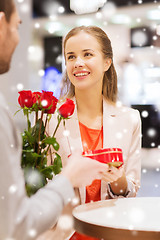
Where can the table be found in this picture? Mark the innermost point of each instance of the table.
(123, 219)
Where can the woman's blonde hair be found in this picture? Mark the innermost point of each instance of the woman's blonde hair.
(110, 76)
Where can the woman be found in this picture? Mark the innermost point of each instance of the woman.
(98, 122)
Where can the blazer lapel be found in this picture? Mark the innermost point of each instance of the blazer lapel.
(74, 137)
(110, 123)
(109, 120)
(114, 125)
(74, 141)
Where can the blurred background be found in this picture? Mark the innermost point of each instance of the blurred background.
(134, 29)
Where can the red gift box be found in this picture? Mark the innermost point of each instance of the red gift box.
(111, 156)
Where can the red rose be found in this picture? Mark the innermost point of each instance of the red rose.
(67, 108)
(25, 99)
(36, 98)
(53, 107)
(46, 99)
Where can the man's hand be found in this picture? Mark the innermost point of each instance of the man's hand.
(81, 171)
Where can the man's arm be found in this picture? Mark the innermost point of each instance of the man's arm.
(21, 217)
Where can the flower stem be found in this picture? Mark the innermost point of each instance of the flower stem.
(39, 134)
(68, 141)
(45, 123)
(36, 119)
(59, 121)
(28, 122)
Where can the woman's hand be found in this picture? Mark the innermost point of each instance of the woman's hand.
(113, 174)
(117, 179)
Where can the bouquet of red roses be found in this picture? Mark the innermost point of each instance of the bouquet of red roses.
(36, 142)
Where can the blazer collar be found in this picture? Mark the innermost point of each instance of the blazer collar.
(112, 109)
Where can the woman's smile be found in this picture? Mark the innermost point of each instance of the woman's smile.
(81, 74)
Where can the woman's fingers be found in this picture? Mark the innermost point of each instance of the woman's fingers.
(112, 174)
(108, 177)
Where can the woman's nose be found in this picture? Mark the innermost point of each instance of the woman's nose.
(79, 62)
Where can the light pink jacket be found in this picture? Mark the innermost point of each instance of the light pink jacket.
(121, 129)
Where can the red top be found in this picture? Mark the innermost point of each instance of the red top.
(92, 139)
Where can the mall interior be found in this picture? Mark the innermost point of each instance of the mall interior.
(134, 29)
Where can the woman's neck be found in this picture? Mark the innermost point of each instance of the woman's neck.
(90, 109)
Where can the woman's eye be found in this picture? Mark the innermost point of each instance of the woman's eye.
(70, 57)
(88, 54)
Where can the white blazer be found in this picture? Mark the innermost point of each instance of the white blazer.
(121, 129)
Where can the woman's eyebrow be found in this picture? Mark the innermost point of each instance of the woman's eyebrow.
(85, 50)
(70, 53)
(88, 49)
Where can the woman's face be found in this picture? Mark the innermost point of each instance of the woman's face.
(85, 62)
